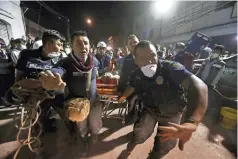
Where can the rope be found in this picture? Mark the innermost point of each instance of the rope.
(228, 98)
(30, 100)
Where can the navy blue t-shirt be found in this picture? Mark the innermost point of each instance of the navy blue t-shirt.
(163, 86)
(31, 62)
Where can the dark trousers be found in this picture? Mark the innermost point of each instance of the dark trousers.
(144, 128)
(6, 81)
(92, 124)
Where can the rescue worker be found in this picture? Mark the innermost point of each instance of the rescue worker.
(102, 57)
(80, 76)
(182, 57)
(210, 72)
(32, 62)
(116, 63)
(127, 68)
(205, 53)
(160, 85)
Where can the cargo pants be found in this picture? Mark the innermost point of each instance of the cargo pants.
(144, 128)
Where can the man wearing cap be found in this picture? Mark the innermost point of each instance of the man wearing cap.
(102, 57)
(210, 73)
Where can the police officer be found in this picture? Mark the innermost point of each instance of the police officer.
(210, 73)
(32, 62)
(102, 57)
(160, 85)
(80, 77)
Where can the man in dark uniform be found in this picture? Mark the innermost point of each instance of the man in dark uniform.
(127, 68)
(80, 76)
(32, 62)
(160, 85)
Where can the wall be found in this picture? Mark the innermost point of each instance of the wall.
(10, 13)
(210, 18)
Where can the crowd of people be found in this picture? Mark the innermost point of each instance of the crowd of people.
(156, 81)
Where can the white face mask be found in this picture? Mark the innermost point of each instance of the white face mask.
(149, 70)
(53, 54)
(214, 55)
(67, 50)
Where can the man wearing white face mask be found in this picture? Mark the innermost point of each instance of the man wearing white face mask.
(160, 85)
(32, 61)
(210, 72)
(20, 45)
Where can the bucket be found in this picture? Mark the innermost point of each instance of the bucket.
(228, 118)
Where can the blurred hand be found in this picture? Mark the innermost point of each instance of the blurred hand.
(174, 131)
(122, 99)
(51, 81)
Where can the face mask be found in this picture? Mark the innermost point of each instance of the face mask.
(149, 70)
(53, 54)
(22, 47)
(214, 55)
(67, 50)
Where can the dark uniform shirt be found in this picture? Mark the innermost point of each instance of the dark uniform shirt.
(127, 68)
(163, 92)
(31, 62)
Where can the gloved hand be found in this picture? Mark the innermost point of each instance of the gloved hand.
(122, 99)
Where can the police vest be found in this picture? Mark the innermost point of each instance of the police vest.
(78, 82)
(160, 95)
(215, 68)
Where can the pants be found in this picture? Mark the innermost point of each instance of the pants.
(214, 105)
(92, 124)
(57, 105)
(144, 128)
(6, 81)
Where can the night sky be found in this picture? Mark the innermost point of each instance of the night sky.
(108, 18)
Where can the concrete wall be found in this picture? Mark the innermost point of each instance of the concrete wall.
(199, 16)
(10, 13)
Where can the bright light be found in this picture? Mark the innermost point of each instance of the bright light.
(163, 5)
(89, 21)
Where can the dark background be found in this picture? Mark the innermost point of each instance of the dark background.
(108, 18)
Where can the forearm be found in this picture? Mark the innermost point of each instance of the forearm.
(128, 91)
(197, 100)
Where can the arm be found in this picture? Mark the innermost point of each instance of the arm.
(197, 98)
(218, 76)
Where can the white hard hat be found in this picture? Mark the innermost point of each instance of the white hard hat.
(101, 44)
(37, 44)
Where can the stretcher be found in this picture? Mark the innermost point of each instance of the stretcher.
(108, 95)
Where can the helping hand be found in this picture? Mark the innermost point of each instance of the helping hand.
(51, 81)
(122, 99)
(174, 131)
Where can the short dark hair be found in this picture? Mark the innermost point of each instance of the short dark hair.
(50, 36)
(143, 44)
(78, 33)
(221, 48)
(132, 36)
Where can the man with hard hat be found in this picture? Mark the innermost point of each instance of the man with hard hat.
(102, 57)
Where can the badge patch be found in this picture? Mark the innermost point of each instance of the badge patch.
(176, 65)
(159, 80)
(55, 60)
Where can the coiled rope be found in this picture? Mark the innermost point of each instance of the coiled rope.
(29, 100)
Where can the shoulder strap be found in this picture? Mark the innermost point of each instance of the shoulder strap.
(88, 82)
